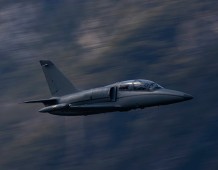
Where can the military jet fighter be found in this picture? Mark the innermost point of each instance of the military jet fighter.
(66, 100)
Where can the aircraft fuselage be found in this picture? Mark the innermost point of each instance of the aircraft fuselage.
(111, 98)
(121, 96)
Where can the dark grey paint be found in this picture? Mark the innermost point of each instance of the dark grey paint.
(121, 96)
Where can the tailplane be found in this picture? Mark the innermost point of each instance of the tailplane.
(46, 102)
(58, 84)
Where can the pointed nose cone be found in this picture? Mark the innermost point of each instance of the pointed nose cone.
(187, 96)
(180, 95)
(172, 96)
(183, 96)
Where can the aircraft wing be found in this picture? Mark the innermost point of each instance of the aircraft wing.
(89, 108)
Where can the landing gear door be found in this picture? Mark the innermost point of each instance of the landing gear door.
(113, 94)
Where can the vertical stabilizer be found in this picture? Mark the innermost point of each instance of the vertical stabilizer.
(58, 84)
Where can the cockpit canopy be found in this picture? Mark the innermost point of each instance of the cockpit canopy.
(139, 85)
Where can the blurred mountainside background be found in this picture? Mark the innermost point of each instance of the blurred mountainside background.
(99, 42)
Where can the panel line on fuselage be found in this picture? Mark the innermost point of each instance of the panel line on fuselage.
(90, 100)
(147, 94)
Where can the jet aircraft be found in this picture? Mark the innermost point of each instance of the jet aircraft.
(66, 100)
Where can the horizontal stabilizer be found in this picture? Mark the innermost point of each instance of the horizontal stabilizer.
(44, 101)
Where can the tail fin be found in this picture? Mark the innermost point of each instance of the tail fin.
(58, 84)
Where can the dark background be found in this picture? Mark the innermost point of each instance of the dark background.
(99, 42)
